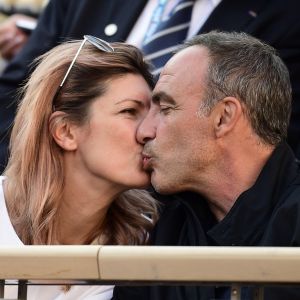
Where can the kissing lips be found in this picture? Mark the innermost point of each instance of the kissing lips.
(147, 162)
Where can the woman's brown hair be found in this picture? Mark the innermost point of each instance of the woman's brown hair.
(35, 172)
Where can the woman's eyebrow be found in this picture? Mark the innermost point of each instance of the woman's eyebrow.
(139, 102)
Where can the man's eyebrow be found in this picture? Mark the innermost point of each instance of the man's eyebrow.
(159, 97)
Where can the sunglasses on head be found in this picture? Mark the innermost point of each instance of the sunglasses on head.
(98, 43)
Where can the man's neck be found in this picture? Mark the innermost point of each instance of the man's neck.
(233, 176)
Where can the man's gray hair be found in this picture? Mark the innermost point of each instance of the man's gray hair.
(250, 70)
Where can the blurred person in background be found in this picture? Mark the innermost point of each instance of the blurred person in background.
(17, 19)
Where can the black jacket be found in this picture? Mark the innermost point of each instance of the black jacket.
(268, 214)
(274, 21)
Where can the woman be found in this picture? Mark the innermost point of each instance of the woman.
(74, 156)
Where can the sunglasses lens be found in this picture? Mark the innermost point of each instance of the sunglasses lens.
(100, 44)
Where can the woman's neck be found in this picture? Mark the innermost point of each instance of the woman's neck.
(83, 208)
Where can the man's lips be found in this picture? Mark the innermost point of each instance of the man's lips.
(146, 161)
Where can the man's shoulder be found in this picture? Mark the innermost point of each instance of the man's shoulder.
(181, 220)
(284, 226)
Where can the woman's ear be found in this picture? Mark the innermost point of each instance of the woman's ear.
(62, 131)
(227, 113)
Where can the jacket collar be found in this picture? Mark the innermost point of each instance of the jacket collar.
(246, 221)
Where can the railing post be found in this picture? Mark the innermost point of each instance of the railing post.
(2, 284)
(22, 290)
(258, 293)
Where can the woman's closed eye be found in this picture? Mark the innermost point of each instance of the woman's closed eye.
(129, 111)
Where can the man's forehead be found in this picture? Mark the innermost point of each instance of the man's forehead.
(186, 68)
(194, 56)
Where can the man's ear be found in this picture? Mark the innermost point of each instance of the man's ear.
(62, 131)
(227, 113)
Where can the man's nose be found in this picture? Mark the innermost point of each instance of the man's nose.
(146, 130)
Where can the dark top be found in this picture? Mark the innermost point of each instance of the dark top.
(268, 214)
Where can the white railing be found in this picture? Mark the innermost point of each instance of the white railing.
(235, 266)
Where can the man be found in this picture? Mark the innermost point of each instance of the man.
(217, 127)
(275, 22)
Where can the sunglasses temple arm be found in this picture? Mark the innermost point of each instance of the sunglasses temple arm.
(72, 63)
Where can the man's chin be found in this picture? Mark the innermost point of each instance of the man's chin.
(160, 186)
